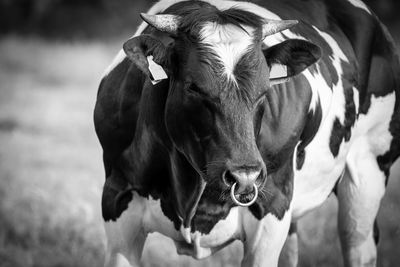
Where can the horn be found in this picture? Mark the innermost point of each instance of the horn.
(165, 23)
(274, 26)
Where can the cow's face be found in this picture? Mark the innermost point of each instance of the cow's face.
(219, 76)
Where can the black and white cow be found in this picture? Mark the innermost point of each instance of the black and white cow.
(268, 107)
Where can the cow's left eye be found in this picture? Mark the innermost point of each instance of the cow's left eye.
(259, 100)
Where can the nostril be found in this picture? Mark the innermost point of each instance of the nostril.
(228, 178)
(261, 178)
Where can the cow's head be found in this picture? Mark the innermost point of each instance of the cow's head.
(219, 73)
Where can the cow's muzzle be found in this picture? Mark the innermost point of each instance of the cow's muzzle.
(243, 183)
(247, 203)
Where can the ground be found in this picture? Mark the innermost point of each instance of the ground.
(51, 174)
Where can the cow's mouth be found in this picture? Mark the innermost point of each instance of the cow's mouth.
(244, 199)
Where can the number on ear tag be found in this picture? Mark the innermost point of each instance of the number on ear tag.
(156, 71)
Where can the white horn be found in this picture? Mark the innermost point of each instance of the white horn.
(165, 23)
(274, 26)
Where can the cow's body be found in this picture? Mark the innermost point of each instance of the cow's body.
(341, 115)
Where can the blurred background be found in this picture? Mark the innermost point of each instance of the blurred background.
(52, 55)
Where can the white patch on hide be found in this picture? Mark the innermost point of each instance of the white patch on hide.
(320, 171)
(338, 101)
(146, 215)
(375, 124)
(356, 98)
(360, 4)
(264, 239)
(124, 234)
(142, 214)
(223, 233)
(324, 96)
(362, 188)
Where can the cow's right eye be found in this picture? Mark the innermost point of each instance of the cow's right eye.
(194, 89)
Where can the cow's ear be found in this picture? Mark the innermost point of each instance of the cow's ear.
(140, 47)
(289, 58)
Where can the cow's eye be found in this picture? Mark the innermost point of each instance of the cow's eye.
(194, 89)
(260, 99)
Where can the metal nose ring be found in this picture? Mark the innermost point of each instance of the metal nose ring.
(237, 202)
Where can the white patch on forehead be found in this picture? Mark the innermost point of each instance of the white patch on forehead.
(229, 42)
(360, 4)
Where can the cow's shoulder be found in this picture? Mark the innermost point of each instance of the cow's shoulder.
(117, 109)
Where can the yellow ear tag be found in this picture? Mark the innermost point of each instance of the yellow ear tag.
(156, 71)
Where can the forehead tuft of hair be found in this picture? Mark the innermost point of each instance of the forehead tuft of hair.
(195, 14)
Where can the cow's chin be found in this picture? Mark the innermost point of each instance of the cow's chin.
(213, 206)
(245, 198)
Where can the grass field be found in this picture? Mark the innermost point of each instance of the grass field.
(51, 174)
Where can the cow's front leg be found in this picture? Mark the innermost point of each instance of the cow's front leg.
(123, 211)
(264, 239)
(290, 253)
(359, 193)
(127, 250)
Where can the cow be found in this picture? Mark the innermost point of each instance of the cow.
(229, 120)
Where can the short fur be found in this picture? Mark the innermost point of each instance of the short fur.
(167, 147)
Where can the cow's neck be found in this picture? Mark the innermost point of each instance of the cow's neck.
(153, 167)
(187, 187)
